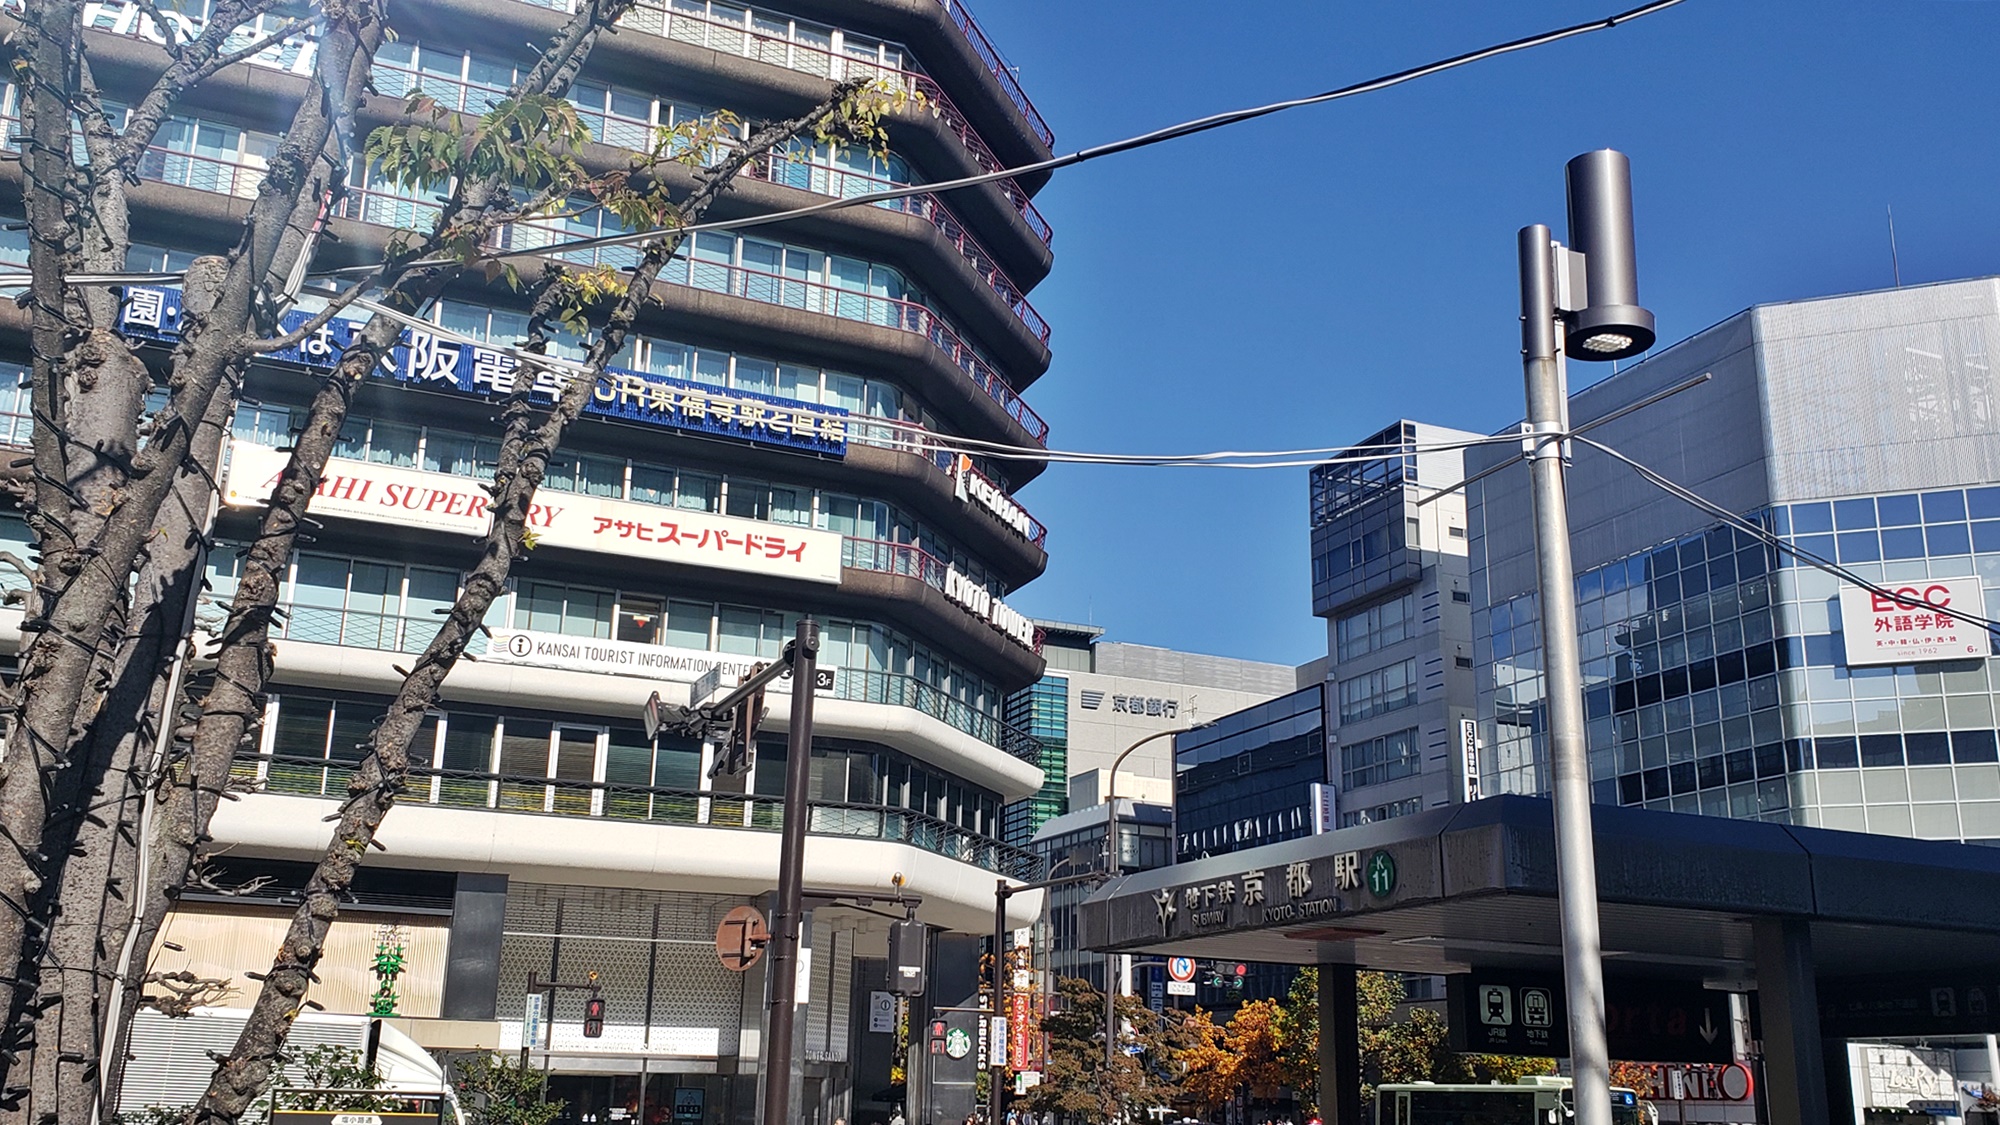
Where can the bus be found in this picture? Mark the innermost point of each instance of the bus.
(1534, 1101)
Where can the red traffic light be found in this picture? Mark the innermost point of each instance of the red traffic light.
(593, 1018)
(1242, 969)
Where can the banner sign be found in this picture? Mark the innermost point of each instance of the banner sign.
(1503, 1012)
(1903, 625)
(412, 497)
(1021, 1031)
(428, 360)
(973, 488)
(632, 658)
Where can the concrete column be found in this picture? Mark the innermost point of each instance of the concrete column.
(472, 953)
(1339, 1047)
(1795, 1063)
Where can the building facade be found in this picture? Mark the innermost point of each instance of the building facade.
(1073, 844)
(1098, 698)
(737, 472)
(1723, 675)
(1389, 576)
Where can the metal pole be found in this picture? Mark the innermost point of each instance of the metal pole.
(791, 871)
(996, 1046)
(1111, 868)
(1111, 959)
(1576, 863)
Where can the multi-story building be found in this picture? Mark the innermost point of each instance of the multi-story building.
(1073, 844)
(735, 474)
(1728, 678)
(1389, 576)
(1375, 723)
(1099, 698)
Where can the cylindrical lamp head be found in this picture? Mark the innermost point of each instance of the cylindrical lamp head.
(1614, 325)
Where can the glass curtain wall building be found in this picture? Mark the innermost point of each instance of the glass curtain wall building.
(1861, 429)
(736, 471)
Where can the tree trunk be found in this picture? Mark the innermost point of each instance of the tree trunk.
(383, 773)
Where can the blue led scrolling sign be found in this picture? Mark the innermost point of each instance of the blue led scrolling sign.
(427, 359)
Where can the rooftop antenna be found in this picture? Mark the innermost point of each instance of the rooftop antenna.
(1895, 267)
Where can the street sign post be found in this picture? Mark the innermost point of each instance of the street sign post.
(1506, 1013)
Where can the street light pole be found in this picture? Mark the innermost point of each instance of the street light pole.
(1576, 864)
(1598, 306)
(804, 653)
(1111, 868)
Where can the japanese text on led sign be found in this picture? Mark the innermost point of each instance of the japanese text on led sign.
(429, 360)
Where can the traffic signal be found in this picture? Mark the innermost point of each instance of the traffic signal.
(735, 757)
(593, 1018)
(1241, 970)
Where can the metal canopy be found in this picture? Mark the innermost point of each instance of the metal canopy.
(1474, 886)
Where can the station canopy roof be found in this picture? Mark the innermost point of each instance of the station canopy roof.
(1473, 886)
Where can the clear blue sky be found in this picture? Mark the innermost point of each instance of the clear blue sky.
(1304, 279)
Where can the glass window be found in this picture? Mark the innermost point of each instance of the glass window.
(688, 624)
(1379, 692)
(1376, 627)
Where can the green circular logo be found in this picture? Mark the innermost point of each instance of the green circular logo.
(1381, 874)
(957, 1043)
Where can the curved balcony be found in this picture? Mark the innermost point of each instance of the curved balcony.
(773, 289)
(206, 173)
(751, 44)
(384, 632)
(819, 179)
(736, 39)
(961, 18)
(608, 800)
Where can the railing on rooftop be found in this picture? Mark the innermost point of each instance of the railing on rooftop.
(387, 632)
(526, 794)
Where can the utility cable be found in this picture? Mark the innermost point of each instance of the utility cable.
(1112, 148)
(1772, 539)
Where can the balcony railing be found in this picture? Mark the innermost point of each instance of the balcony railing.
(740, 40)
(983, 47)
(822, 180)
(737, 39)
(620, 801)
(385, 632)
(384, 209)
(809, 296)
(633, 133)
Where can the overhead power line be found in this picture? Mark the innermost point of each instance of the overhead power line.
(1095, 152)
(1770, 538)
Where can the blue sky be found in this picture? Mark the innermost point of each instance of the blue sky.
(1304, 279)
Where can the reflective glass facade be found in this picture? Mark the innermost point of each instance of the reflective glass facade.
(1247, 780)
(1043, 709)
(1716, 682)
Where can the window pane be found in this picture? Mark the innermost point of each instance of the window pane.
(738, 630)
(688, 624)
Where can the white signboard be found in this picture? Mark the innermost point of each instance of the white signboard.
(882, 1012)
(1904, 625)
(974, 488)
(1326, 811)
(443, 502)
(532, 1027)
(1468, 751)
(1180, 988)
(630, 658)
